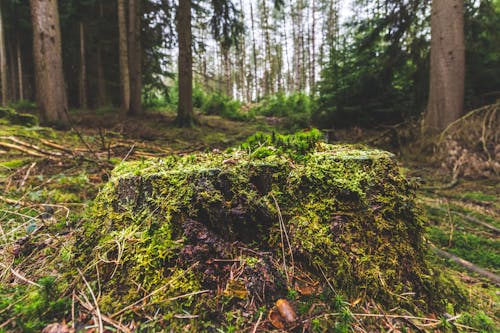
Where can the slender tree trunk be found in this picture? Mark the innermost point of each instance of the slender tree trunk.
(313, 48)
(12, 75)
(185, 114)
(245, 92)
(254, 47)
(83, 69)
(101, 83)
(19, 67)
(447, 70)
(3, 60)
(123, 57)
(134, 57)
(289, 84)
(268, 79)
(49, 77)
(227, 71)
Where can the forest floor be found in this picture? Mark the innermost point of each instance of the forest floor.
(49, 178)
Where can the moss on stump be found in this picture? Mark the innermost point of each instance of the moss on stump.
(211, 223)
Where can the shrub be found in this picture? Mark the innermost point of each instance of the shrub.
(296, 108)
(221, 105)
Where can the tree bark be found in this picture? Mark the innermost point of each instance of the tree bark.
(185, 114)
(123, 57)
(134, 58)
(254, 48)
(101, 83)
(447, 68)
(3, 61)
(83, 70)
(19, 67)
(312, 75)
(49, 77)
(227, 71)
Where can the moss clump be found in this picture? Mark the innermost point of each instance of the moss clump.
(15, 118)
(209, 222)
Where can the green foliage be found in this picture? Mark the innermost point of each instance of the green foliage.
(221, 105)
(34, 307)
(482, 251)
(296, 108)
(15, 118)
(379, 73)
(482, 39)
(24, 106)
(478, 320)
(296, 146)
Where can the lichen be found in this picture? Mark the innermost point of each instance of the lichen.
(199, 222)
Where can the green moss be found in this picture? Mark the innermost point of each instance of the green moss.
(13, 164)
(171, 225)
(15, 118)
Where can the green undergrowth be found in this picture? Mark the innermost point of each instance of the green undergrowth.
(199, 235)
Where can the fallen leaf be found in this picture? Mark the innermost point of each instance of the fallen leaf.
(57, 328)
(276, 320)
(286, 310)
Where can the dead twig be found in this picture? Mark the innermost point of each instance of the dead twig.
(284, 235)
(257, 323)
(25, 150)
(27, 174)
(19, 276)
(56, 146)
(97, 310)
(466, 264)
(128, 307)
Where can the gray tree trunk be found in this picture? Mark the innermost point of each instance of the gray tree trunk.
(49, 77)
(134, 57)
(185, 114)
(3, 61)
(123, 57)
(447, 70)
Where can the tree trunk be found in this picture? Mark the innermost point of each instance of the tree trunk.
(312, 75)
(254, 47)
(185, 114)
(101, 83)
(227, 71)
(134, 57)
(19, 68)
(3, 61)
(49, 77)
(123, 57)
(83, 70)
(447, 70)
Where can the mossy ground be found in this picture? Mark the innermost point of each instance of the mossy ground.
(43, 238)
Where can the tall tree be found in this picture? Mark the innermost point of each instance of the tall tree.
(447, 71)
(134, 57)
(50, 87)
(3, 60)
(185, 114)
(123, 57)
(83, 68)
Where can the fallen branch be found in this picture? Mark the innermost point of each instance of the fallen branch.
(32, 146)
(466, 264)
(56, 146)
(25, 150)
(474, 220)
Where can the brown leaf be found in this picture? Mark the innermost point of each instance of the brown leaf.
(286, 310)
(57, 328)
(276, 320)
